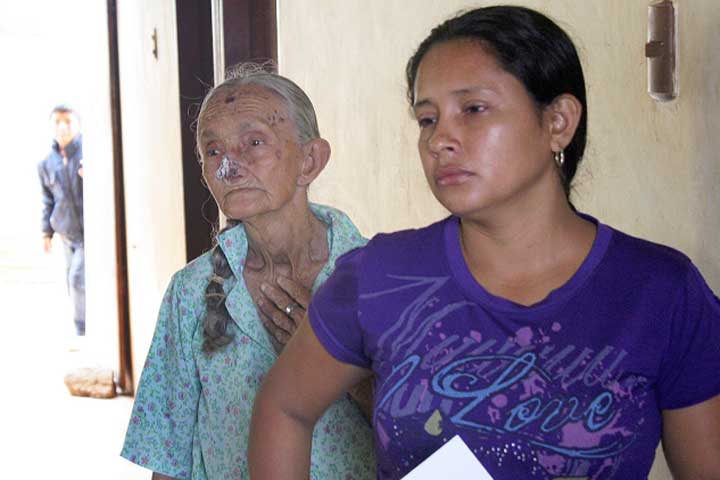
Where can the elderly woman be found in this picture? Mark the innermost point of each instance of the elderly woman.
(227, 314)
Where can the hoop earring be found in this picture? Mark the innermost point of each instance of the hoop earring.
(559, 158)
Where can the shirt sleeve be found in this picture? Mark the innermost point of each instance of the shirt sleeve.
(48, 203)
(334, 313)
(689, 372)
(164, 417)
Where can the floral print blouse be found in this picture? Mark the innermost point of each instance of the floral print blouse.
(191, 416)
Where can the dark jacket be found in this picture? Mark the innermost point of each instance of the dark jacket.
(62, 192)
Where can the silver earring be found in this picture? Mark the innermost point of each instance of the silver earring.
(559, 158)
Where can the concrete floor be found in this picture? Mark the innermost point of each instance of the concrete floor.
(46, 432)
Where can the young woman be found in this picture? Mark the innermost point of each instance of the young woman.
(552, 344)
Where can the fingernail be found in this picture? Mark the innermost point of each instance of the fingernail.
(264, 287)
(260, 302)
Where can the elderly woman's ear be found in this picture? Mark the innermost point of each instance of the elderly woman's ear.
(317, 154)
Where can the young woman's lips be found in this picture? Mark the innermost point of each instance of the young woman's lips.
(448, 176)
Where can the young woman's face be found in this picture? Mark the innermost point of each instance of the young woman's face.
(249, 125)
(483, 142)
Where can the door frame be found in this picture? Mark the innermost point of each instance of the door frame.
(249, 33)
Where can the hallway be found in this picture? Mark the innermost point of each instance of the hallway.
(47, 432)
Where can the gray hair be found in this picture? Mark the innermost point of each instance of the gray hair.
(265, 75)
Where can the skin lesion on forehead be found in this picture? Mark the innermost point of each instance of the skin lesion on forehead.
(256, 107)
(245, 100)
(275, 117)
(246, 91)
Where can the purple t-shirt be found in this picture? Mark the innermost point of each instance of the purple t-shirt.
(572, 386)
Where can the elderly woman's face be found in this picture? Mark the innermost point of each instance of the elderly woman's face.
(250, 126)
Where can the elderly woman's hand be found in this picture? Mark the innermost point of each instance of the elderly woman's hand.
(283, 308)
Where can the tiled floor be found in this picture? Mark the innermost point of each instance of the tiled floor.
(46, 432)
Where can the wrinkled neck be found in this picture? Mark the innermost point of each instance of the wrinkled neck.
(287, 242)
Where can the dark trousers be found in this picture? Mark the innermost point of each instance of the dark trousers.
(75, 263)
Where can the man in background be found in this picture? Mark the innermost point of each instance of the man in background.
(62, 195)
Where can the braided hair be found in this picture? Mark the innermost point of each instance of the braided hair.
(217, 317)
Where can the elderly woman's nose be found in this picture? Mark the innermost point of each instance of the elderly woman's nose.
(237, 153)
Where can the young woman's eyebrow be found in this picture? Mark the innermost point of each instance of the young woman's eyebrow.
(455, 93)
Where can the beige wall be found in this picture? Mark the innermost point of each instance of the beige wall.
(651, 169)
(152, 162)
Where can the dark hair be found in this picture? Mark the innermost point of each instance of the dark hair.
(62, 108)
(529, 46)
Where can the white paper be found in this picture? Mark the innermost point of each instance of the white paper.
(452, 460)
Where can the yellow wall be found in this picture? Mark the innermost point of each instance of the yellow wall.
(651, 169)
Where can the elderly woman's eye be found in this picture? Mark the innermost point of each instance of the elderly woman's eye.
(256, 142)
(212, 152)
